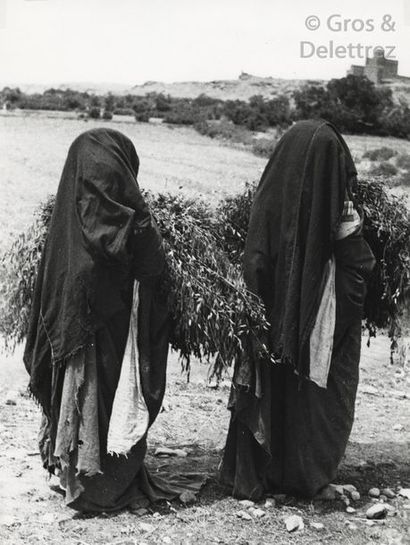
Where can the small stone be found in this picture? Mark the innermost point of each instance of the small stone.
(166, 539)
(349, 488)
(389, 493)
(376, 511)
(256, 512)
(187, 497)
(247, 503)
(355, 495)
(270, 503)
(338, 488)
(317, 525)
(398, 427)
(350, 510)
(353, 526)
(405, 493)
(330, 492)
(7, 520)
(406, 506)
(11, 398)
(371, 390)
(374, 492)
(164, 451)
(400, 394)
(293, 523)
(243, 515)
(141, 511)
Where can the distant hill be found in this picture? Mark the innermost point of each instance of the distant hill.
(241, 88)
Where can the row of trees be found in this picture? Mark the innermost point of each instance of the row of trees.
(353, 103)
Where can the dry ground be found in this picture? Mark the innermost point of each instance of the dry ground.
(32, 152)
(196, 419)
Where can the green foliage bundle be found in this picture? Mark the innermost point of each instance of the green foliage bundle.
(18, 271)
(213, 314)
(386, 229)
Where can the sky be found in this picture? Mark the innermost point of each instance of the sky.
(133, 41)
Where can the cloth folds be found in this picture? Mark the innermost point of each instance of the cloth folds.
(286, 433)
(99, 325)
(129, 417)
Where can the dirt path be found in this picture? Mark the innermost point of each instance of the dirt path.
(196, 419)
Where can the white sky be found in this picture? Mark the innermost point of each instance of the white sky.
(132, 41)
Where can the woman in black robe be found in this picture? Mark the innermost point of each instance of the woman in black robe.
(103, 255)
(288, 433)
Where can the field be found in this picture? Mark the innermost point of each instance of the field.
(32, 153)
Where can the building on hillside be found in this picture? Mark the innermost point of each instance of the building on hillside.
(378, 69)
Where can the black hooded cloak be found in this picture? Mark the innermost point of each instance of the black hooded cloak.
(101, 238)
(286, 433)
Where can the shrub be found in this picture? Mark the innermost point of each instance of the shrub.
(142, 117)
(183, 114)
(124, 111)
(403, 161)
(264, 147)
(163, 103)
(354, 104)
(384, 169)
(396, 121)
(380, 154)
(107, 115)
(224, 130)
(94, 112)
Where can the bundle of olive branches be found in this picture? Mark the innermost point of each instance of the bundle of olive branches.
(214, 316)
(387, 230)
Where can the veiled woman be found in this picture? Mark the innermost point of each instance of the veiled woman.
(97, 345)
(306, 257)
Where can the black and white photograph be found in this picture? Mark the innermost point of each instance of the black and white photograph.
(204, 272)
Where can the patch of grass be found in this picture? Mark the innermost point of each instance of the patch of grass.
(403, 161)
(225, 130)
(380, 154)
(384, 169)
(404, 179)
(264, 147)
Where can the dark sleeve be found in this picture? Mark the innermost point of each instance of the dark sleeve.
(354, 263)
(116, 232)
(105, 222)
(147, 250)
(258, 263)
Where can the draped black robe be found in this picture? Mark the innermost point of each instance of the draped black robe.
(101, 238)
(286, 433)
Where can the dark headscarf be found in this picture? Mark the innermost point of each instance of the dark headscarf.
(101, 234)
(294, 219)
